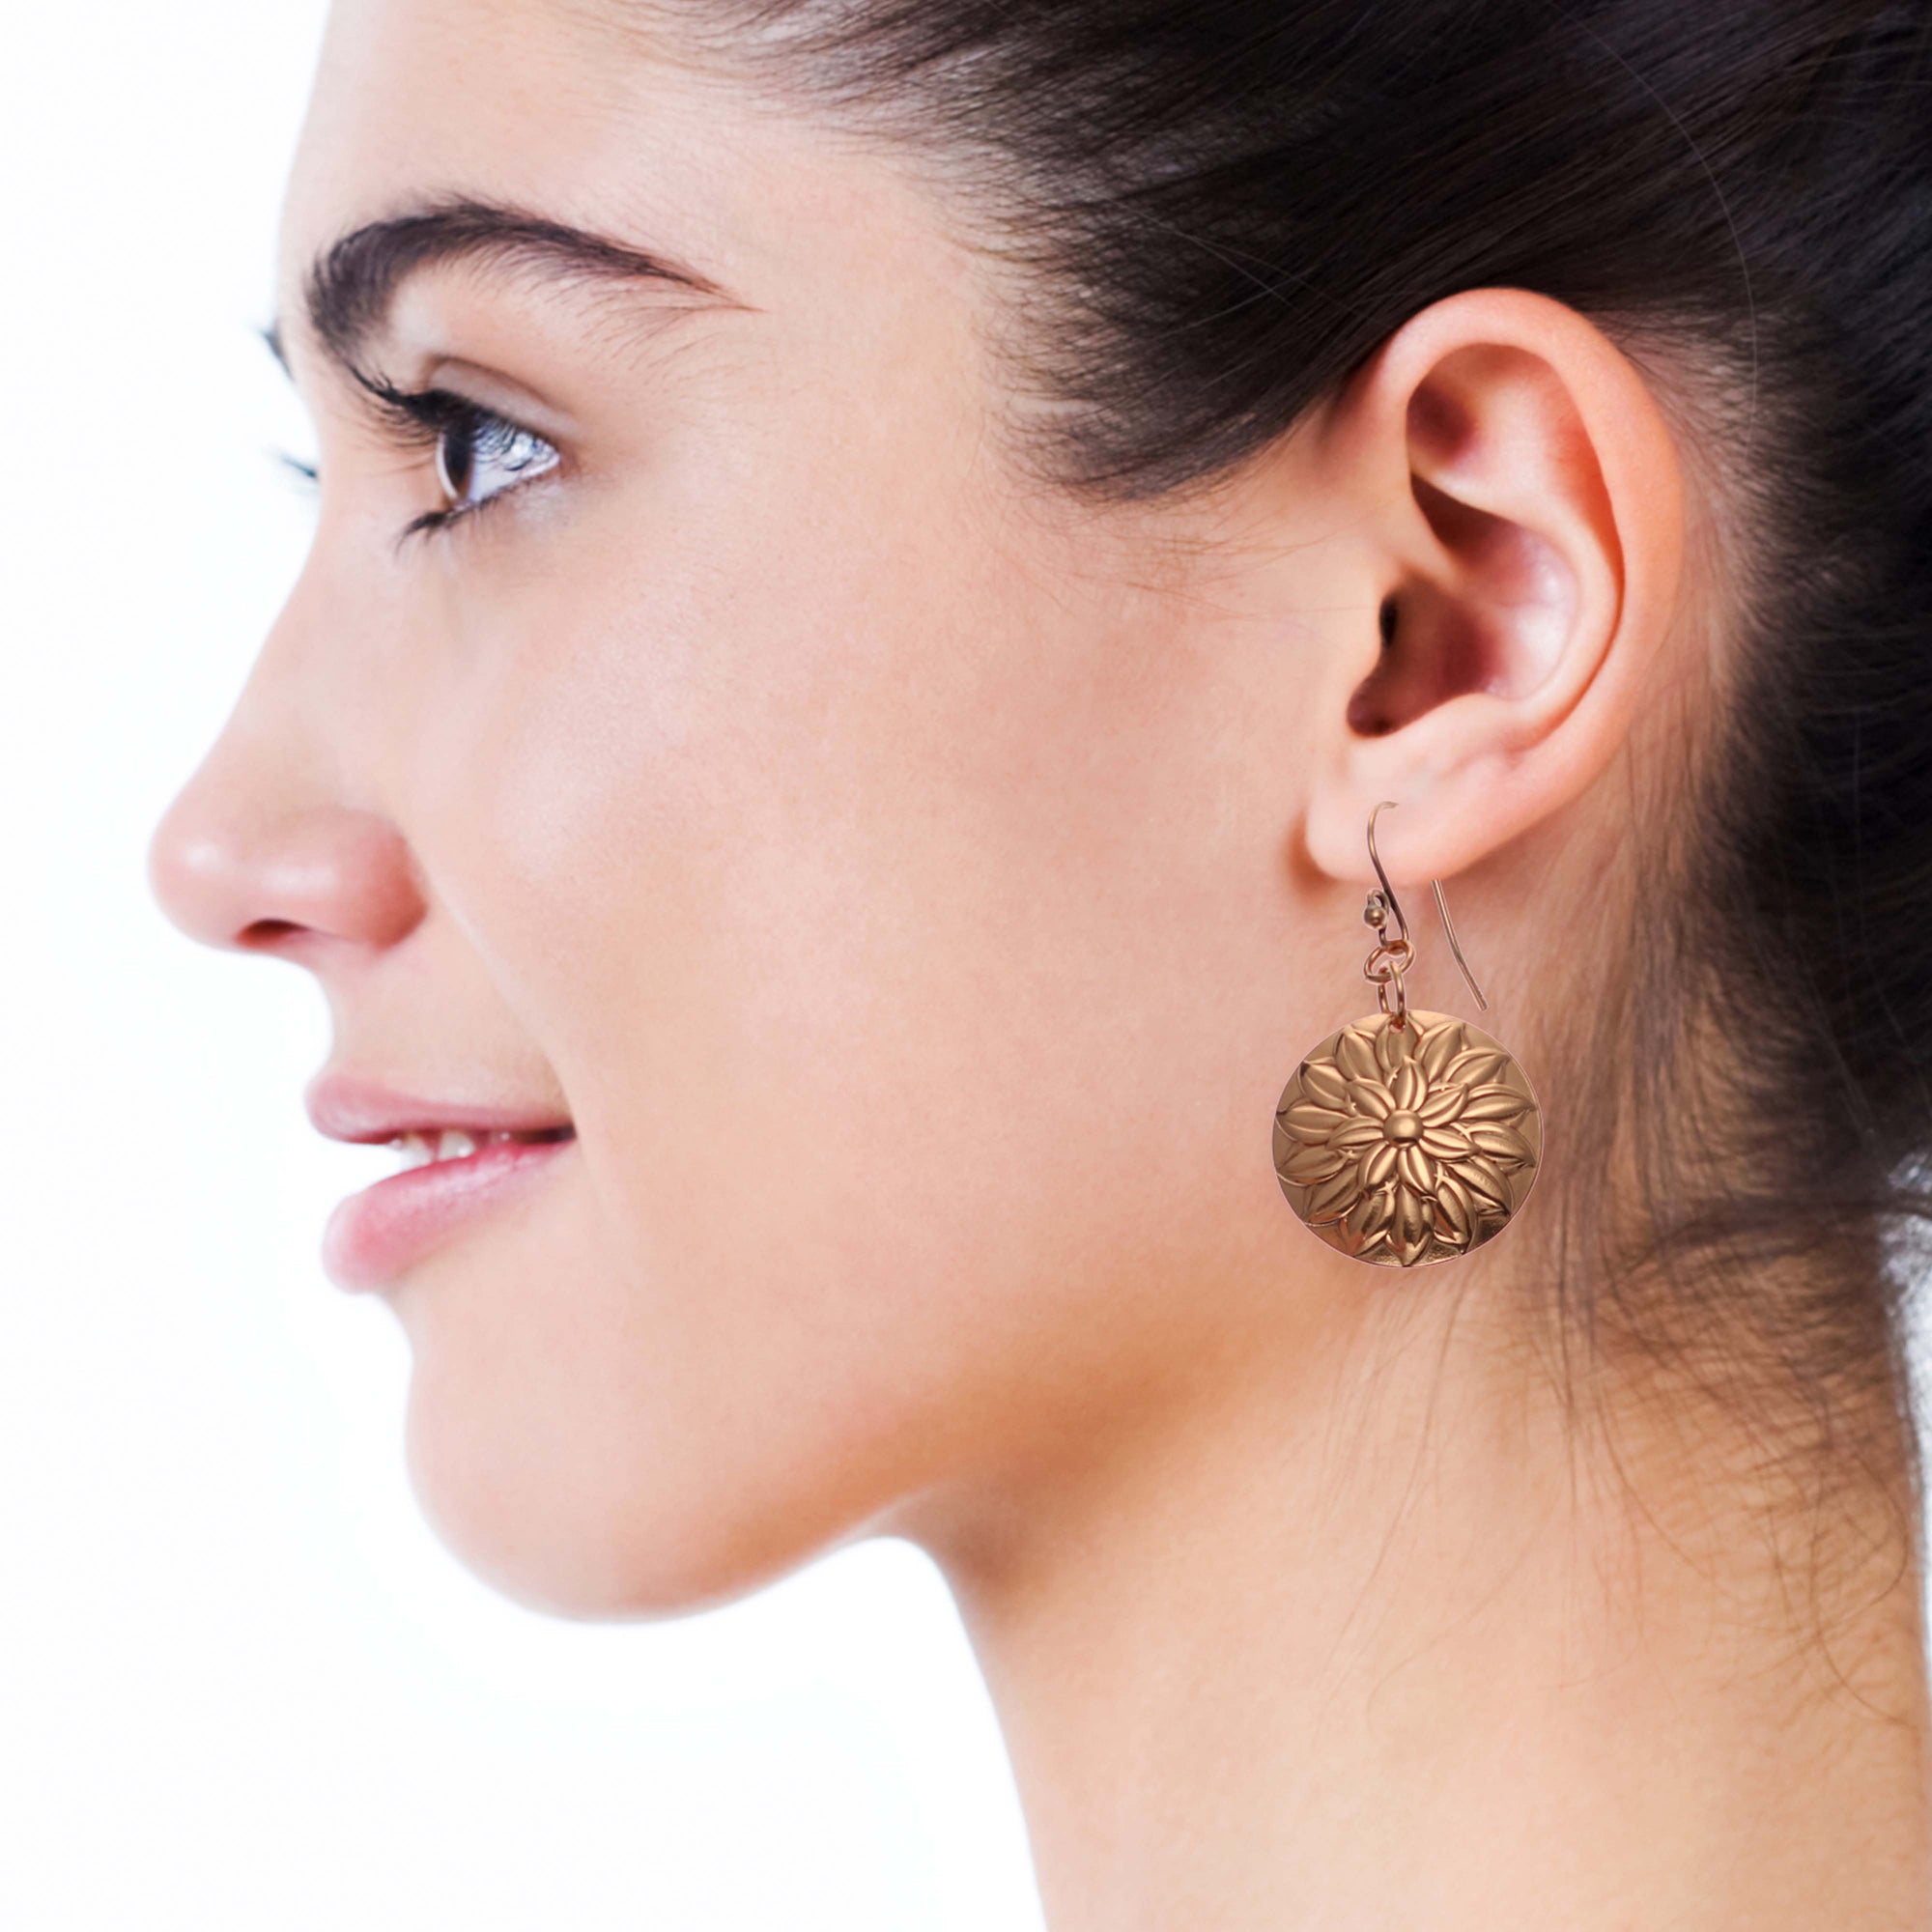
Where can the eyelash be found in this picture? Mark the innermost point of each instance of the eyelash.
(420, 419)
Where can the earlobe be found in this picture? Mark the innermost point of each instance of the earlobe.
(1528, 500)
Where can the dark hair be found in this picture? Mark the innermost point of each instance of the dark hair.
(1212, 211)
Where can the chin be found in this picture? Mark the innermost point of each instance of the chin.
(569, 1524)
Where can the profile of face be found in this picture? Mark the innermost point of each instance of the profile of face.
(912, 886)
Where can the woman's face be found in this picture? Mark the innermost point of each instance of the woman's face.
(886, 869)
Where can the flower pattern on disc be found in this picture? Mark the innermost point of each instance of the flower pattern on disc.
(1405, 1142)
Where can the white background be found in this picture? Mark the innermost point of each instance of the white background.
(241, 1687)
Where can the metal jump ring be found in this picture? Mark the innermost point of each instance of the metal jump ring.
(1399, 956)
(1398, 1011)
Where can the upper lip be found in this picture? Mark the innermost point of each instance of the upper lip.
(347, 1107)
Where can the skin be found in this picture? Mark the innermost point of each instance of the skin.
(917, 889)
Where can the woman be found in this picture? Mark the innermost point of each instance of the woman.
(874, 563)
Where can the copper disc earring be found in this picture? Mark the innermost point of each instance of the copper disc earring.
(1407, 1137)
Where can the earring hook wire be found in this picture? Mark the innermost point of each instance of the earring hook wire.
(1401, 923)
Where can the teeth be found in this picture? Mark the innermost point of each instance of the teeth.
(419, 1150)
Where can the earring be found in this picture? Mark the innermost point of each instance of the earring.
(1407, 1137)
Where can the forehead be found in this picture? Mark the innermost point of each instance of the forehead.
(574, 111)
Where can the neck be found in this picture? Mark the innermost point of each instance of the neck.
(1375, 1630)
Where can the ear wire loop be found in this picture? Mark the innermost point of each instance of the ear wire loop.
(1399, 953)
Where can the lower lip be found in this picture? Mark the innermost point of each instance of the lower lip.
(372, 1238)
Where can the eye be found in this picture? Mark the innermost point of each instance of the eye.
(480, 454)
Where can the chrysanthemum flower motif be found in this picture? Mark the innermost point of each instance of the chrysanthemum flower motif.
(1406, 1138)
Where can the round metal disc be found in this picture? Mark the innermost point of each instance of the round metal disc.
(1400, 1145)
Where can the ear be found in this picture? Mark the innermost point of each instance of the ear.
(1520, 545)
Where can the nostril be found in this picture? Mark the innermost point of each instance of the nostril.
(266, 932)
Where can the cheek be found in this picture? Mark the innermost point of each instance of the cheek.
(866, 927)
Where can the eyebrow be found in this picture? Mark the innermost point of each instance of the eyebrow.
(351, 285)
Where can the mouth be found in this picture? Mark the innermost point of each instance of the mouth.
(457, 1162)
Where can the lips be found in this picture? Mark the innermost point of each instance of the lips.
(466, 1159)
(347, 1107)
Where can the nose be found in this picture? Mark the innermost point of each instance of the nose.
(246, 859)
